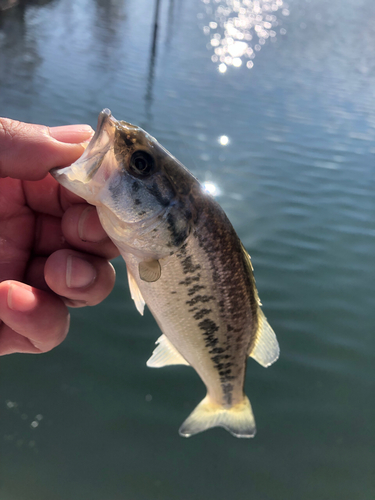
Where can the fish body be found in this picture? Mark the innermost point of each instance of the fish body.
(184, 260)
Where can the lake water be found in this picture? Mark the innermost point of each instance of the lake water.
(292, 87)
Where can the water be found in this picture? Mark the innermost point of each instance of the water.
(296, 178)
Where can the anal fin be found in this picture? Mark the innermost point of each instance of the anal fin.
(136, 294)
(266, 349)
(165, 354)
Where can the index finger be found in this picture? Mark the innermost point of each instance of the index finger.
(29, 151)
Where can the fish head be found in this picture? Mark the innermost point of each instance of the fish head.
(138, 187)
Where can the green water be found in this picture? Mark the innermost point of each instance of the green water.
(89, 420)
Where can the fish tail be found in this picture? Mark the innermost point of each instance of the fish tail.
(238, 420)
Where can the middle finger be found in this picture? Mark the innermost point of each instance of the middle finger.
(79, 228)
(82, 229)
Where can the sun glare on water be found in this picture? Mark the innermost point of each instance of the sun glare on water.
(237, 29)
(223, 140)
(211, 188)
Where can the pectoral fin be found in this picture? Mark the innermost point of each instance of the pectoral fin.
(136, 294)
(266, 348)
(165, 354)
(149, 271)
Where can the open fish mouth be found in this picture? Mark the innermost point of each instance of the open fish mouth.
(79, 177)
(105, 116)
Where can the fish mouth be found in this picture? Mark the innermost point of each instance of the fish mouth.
(79, 177)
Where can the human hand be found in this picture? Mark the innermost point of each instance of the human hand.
(53, 251)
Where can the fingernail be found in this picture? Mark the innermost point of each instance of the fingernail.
(79, 272)
(89, 227)
(71, 133)
(21, 298)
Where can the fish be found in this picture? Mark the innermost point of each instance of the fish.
(184, 261)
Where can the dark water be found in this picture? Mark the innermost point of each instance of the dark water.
(90, 420)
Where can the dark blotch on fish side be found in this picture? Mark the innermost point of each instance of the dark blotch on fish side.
(209, 328)
(195, 308)
(199, 298)
(201, 314)
(188, 214)
(216, 359)
(195, 289)
(188, 267)
(135, 186)
(178, 236)
(190, 279)
(182, 251)
(137, 201)
(221, 366)
(155, 191)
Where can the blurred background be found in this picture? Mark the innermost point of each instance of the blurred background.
(272, 105)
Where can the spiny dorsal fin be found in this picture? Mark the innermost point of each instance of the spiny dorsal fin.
(250, 270)
(136, 294)
(266, 348)
(165, 354)
(149, 271)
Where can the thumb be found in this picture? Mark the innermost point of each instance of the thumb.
(29, 151)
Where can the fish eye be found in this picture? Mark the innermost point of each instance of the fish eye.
(141, 163)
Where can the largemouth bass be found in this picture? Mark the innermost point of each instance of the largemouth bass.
(184, 260)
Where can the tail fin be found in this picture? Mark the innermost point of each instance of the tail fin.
(238, 420)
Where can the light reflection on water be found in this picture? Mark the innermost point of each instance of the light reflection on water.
(239, 28)
(224, 140)
(211, 188)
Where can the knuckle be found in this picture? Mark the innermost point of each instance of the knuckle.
(9, 128)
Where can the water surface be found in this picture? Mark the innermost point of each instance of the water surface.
(296, 177)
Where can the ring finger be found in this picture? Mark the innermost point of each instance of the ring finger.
(80, 279)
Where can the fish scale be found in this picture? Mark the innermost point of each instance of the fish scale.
(184, 261)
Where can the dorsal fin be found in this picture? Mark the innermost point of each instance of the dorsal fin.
(266, 348)
(165, 354)
(136, 294)
(250, 271)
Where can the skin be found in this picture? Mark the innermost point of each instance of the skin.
(53, 250)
